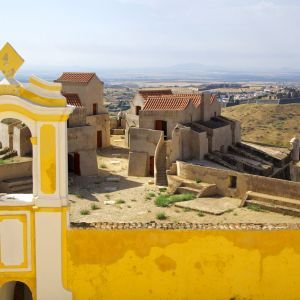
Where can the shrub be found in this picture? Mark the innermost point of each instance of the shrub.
(161, 216)
(120, 201)
(198, 180)
(103, 166)
(254, 207)
(167, 200)
(84, 212)
(94, 206)
(162, 189)
(151, 194)
(200, 214)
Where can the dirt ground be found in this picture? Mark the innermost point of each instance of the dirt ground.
(96, 199)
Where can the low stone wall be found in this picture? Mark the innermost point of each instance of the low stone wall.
(15, 170)
(181, 226)
(244, 182)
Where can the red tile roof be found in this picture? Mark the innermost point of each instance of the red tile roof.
(172, 102)
(148, 93)
(74, 77)
(73, 99)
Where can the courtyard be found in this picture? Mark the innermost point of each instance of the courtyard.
(113, 196)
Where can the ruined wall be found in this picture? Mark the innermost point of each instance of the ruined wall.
(15, 170)
(21, 140)
(102, 123)
(208, 109)
(245, 182)
(82, 138)
(183, 264)
(77, 117)
(143, 140)
(222, 137)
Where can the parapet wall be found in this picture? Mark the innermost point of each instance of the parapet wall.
(176, 264)
(244, 182)
(15, 170)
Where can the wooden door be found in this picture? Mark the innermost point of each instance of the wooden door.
(151, 166)
(99, 139)
(77, 164)
(158, 125)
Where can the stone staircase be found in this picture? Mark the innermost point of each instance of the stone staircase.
(199, 189)
(18, 185)
(271, 203)
(6, 153)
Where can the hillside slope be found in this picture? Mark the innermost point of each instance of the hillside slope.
(267, 124)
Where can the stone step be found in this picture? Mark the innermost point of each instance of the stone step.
(8, 154)
(4, 150)
(275, 208)
(275, 200)
(17, 185)
(18, 181)
(188, 190)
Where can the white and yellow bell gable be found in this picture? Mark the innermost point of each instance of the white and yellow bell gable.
(33, 227)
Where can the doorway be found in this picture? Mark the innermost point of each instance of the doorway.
(99, 139)
(162, 125)
(77, 163)
(151, 166)
(137, 110)
(15, 290)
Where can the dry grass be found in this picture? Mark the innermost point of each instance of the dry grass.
(267, 124)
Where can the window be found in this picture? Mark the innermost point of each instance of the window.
(233, 181)
(95, 108)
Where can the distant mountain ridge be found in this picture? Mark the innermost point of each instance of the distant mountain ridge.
(182, 72)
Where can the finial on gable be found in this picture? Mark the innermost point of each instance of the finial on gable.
(10, 61)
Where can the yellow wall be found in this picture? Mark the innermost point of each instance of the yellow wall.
(48, 159)
(189, 265)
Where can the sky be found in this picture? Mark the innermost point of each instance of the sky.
(123, 34)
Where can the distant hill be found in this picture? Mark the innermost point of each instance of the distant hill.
(267, 124)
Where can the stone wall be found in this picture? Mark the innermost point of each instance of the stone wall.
(77, 117)
(148, 118)
(15, 170)
(88, 94)
(102, 123)
(82, 138)
(244, 182)
(21, 140)
(143, 140)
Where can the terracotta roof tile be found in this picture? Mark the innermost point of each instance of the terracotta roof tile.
(172, 102)
(75, 77)
(73, 99)
(148, 93)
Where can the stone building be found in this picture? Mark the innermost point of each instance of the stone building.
(88, 125)
(190, 127)
(89, 89)
(138, 103)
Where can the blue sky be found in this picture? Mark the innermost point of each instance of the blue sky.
(95, 34)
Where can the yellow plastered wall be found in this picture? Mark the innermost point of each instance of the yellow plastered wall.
(29, 278)
(48, 159)
(142, 265)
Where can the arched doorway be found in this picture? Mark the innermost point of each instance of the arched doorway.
(15, 157)
(15, 290)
